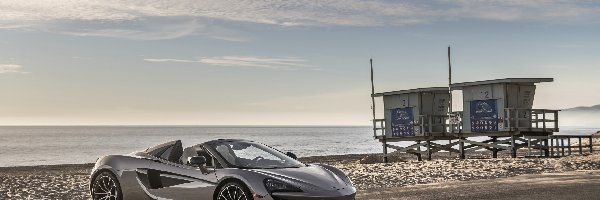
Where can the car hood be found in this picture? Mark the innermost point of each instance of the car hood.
(314, 176)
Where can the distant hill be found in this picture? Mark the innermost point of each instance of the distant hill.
(584, 108)
(588, 116)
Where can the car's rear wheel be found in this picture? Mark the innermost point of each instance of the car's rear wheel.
(234, 191)
(106, 187)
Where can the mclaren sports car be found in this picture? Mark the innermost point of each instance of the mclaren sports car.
(224, 169)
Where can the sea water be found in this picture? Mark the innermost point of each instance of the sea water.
(49, 145)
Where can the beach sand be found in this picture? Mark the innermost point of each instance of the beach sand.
(71, 181)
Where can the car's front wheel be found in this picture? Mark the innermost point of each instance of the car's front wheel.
(234, 191)
(106, 187)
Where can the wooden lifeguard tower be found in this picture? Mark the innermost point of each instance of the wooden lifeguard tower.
(413, 115)
(500, 109)
(503, 108)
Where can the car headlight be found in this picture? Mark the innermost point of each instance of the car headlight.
(273, 185)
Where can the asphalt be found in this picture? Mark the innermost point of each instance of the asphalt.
(568, 185)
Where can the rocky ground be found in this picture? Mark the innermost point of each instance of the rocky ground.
(70, 181)
(378, 175)
(45, 182)
(595, 141)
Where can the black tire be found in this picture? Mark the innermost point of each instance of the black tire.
(233, 191)
(106, 186)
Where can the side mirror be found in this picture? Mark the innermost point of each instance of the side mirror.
(291, 155)
(196, 161)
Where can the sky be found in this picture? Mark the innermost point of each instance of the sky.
(275, 62)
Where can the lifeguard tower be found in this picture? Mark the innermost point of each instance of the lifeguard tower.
(500, 109)
(503, 108)
(413, 115)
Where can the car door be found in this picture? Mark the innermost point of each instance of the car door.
(176, 181)
(170, 179)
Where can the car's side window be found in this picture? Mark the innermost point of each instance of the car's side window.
(226, 153)
(165, 155)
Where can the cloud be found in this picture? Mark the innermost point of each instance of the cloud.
(171, 60)
(152, 28)
(287, 63)
(149, 32)
(109, 16)
(299, 12)
(550, 11)
(11, 68)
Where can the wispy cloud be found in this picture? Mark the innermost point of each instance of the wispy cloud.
(287, 63)
(146, 29)
(162, 32)
(171, 60)
(11, 68)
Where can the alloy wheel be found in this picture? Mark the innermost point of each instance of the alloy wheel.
(105, 188)
(232, 192)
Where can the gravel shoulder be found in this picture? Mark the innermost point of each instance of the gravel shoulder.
(398, 174)
(567, 185)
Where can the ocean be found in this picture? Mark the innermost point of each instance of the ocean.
(50, 145)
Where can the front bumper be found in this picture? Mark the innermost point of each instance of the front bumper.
(340, 194)
(277, 196)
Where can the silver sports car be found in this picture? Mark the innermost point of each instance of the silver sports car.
(220, 170)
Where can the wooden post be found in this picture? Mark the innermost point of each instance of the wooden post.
(450, 152)
(591, 145)
(569, 144)
(385, 158)
(551, 146)
(542, 144)
(513, 146)
(461, 147)
(547, 149)
(494, 149)
(373, 103)
(419, 150)
(580, 146)
(528, 146)
(562, 146)
(428, 149)
(555, 119)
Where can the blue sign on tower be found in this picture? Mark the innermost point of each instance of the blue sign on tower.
(484, 116)
(402, 122)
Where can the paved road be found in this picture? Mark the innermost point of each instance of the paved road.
(569, 185)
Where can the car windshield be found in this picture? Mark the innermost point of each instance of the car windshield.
(243, 154)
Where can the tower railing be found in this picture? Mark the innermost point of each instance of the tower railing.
(432, 124)
(378, 128)
(524, 119)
